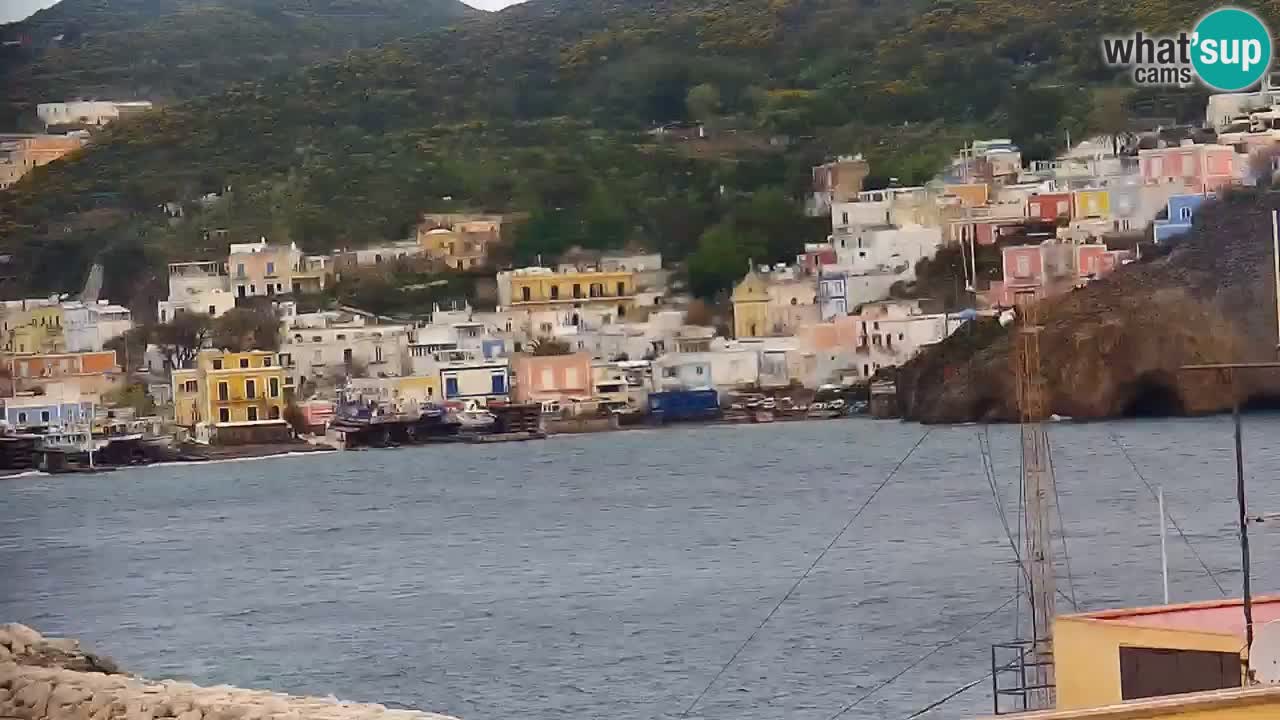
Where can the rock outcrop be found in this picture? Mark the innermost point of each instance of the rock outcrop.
(53, 679)
(1115, 347)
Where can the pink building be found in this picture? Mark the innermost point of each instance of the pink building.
(547, 378)
(1050, 269)
(816, 256)
(1194, 168)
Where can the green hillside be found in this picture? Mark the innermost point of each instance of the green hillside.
(167, 50)
(542, 108)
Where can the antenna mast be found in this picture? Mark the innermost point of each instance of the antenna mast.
(1040, 491)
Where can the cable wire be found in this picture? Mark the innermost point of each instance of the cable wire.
(805, 574)
(953, 695)
(1062, 528)
(1151, 489)
(936, 649)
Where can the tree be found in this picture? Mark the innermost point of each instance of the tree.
(180, 340)
(244, 329)
(544, 347)
(1111, 118)
(131, 347)
(700, 312)
(296, 418)
(722, 257)
(703, 102)
(133, 396)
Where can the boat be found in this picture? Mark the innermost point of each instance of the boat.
(474, 417)
(762, 416)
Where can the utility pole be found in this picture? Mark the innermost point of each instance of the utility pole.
(1040, 491)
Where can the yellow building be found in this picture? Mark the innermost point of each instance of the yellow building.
(1094, 203)
(233, 393)
(970, 194)
(32, 328)
(542, 289)
(1109, 657)
(460, 241)
(751, 306)
(403, 389)
(1159, 663)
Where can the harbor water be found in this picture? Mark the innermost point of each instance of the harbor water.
(613, 575)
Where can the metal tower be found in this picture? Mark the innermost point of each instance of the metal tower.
(1040, 493)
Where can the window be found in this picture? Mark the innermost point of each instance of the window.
(240, 270)
(577, 290)
(844, 218)
(191, 386)
(525, 294)
(342, 336)
(273, 387)
(555, 292)
(1024, 266)
(347, 357)
(266, 361)
(1184, 213)
(622, 289)
(900, 336)
(499, 383)
(316, 338)
(22, 417)
(213, 310)
(451, 387)
(271, 268)
(224, 391)
(253, 414)
(668, 372)
(698, 370)
(875, 326)
(253, 289)
(244, 363)
(597, 289)
(217, 363)
(44, 416)
(273, 413)
(224, 414)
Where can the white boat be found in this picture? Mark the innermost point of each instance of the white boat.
(474, 417)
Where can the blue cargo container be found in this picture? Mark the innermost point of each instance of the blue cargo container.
(680, 405)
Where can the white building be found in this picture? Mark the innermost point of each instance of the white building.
(465, 376)
(88, 112)
(892, 332)
(196, 287)
(87, 327)
(325, 347)
(726, 368)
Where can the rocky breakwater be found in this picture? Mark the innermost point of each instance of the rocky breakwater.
(1115, 347)
(53, 679)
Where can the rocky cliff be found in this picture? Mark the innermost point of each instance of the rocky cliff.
(53, 679)
(1114, 348)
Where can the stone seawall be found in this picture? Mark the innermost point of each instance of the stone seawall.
(53, 679)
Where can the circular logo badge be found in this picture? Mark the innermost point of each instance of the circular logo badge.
(1231, 49)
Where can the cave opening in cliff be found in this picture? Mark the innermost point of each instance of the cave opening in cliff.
(1153, 394)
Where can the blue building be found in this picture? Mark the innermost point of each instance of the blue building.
(1182, 210)
(28, 411)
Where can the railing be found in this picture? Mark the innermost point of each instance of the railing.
(1014, 667)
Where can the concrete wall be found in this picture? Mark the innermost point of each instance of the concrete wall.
(52, 679)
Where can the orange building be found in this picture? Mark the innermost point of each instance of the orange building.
(552, 378)
(19, 154)
(91, 373)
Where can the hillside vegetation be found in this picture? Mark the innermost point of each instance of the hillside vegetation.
(542, 108)
(168, 50)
